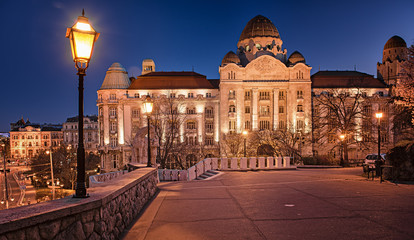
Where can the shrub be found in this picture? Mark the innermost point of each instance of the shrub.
(401, 157)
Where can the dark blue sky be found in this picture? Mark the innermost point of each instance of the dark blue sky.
(39, 81)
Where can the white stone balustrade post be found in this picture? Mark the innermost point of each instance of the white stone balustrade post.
(233, 164)
(243, 163)
(191, 173)
(286, 161)
(214, 163)
(174, 175)
(252, 164)
(183, 175)
(224, 164)
(279, 162)
(262, 163)
(270, 163)
(207, 163)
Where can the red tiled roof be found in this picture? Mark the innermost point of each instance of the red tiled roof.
(171, 80)
(345, 79)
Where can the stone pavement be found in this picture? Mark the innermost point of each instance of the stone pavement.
(301, 204)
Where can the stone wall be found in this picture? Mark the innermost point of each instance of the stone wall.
(104, 215)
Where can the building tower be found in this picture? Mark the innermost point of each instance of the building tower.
(394, 54)
(148, 66)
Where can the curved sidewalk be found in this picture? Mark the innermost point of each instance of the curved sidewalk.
(302, 204)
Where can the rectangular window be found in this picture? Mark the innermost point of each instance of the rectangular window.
(136, 95)
(282, 124)
(300, 108)
(264, 125)
(112, 112)
(191, 125)
(172, 95)
(190, 95)
(209, 112)
(264, 95)
(209, 126)
(135, 113)
(247, 95)
(232, 125)
(113, 127)
(190, 110)
(300, 94)
(247, 109)
(282, 95)
(208, 95)
(281, 109)
(113, 141)
(300, 125)
(112, 96)
(264, 110)
(209, 141)
(247, 125)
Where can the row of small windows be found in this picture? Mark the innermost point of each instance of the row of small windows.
(172, 95)
(299, 75)
(259, 47)
(231, 75)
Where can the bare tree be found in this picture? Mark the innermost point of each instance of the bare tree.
(346, 112)
(232, 144)
(404, 90)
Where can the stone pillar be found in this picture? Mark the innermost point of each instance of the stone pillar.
(233, 164)
(252, 163)
(254, 109)
(275, 108)
(120, 118)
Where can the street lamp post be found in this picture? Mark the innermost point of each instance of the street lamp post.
(148, 105)
(82, 38)
(342, 137)
(51, 172)
(5, 174)
(245, 136)
(378, 162)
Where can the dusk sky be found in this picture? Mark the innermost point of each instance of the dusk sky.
(39, 78)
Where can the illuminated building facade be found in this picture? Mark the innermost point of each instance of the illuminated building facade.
(90, 132)
(28, 139)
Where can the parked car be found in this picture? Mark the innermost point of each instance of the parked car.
(371, 158)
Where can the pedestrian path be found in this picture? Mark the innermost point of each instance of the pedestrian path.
(302, 204)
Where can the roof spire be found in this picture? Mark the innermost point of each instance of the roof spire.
(83, 12)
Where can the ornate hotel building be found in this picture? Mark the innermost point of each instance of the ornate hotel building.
(261, 87)
(28, 139)
(90, 132)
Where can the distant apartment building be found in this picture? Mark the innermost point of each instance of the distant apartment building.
(90, 133)
(28, 139)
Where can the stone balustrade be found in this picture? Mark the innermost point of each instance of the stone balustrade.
(225, 164)
(96, 180)
(110, 208)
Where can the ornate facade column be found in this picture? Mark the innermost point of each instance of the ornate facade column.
(275, 108)
(254, 109)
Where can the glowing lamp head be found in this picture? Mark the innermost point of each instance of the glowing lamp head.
(82, 37)
(245, 133)
(148, 104)
(342, 137)
(378, 115)
(47, 152)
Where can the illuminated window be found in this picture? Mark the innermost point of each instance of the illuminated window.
(264, 125)
(300, 124)
(247, 48)
(191, 125)
(135, 113)
(112, 112)
(209, 112)
(247, 109)
(247, 125)
(258, 46)
(232, 108)
(299, 94)
(232, 125)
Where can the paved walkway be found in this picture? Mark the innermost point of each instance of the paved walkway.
(301, 204)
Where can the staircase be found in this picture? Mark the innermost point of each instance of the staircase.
(206, 175)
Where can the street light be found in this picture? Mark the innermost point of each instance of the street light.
(82, 38)
(342, 137)
(3, 146)
(378, 162)
(148, 105)
(51, 172)
(245, 136)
